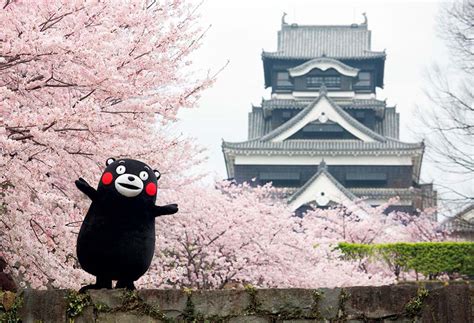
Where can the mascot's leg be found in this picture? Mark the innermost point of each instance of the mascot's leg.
(100, 283)
(128, 284)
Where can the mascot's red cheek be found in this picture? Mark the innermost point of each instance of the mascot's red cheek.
(150, 189)
(107, 178)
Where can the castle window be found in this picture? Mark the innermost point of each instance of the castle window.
(360, 115)
(280, 179)
(322, 131)
(364, 80)
(330, 127)
(366, 179)
(331, 82)
(287, 115)
(283, 79)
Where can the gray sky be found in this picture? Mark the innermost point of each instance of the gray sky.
(241, 29)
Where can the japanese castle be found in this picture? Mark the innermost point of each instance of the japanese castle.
(323, 135)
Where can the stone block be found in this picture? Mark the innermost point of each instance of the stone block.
(471, 290)
(378, 302)
(220, 302)
(287, 302)
(121, 317)
(112, 298)
(171, 302)
(249, 319)
(302, 321)
(87, 316)
(399, 320)
(448, 304)
(43, 306)
(328, 304)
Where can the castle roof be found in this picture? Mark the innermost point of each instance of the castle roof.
(334, 41)
(346, 103)
(344, 193)
(259, 124)
(302, 114)
(264, 140)
(328, 146)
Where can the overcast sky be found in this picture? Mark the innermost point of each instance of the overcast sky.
(241, 29)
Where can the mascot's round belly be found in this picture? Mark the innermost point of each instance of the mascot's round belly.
(116, 251)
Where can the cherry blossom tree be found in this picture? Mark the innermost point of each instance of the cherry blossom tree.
(420, 228)
(246, 236)
(357, 223)
(361, 223)
(81, 81)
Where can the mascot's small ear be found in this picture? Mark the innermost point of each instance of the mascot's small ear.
(109, 161)
(157, 174)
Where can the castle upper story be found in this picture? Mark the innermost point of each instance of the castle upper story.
(339, 57)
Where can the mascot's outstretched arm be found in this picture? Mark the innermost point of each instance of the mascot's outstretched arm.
(85, 188)
(164, 210)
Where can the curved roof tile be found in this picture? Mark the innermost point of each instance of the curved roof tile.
(293, 121)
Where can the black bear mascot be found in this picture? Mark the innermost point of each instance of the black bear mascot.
(117, 236)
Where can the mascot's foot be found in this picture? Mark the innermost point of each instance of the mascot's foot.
(127, 284)
(100, 284)
(87, 287)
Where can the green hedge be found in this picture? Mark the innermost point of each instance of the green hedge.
(428, 258)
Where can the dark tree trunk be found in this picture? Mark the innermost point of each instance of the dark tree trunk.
(6, 281)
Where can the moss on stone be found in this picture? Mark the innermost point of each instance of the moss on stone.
(343, 298)
(414, 306)
(287, 312)
(9, 312)
(254, 306)
(189, 313)
(76, 303)
(317, 297)
(290, 313)
(131, 302)
(101, 307)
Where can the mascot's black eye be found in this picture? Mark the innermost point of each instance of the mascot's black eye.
(120, 170)
(144, 175)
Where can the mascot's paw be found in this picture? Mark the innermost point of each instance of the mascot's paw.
(172, 208)
(169, 209)
(81, 182)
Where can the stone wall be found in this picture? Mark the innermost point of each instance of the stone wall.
(430, 302)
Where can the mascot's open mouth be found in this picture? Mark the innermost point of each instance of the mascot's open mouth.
(129, 185)
(132, 187)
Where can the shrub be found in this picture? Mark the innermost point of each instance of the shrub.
(431, 259)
